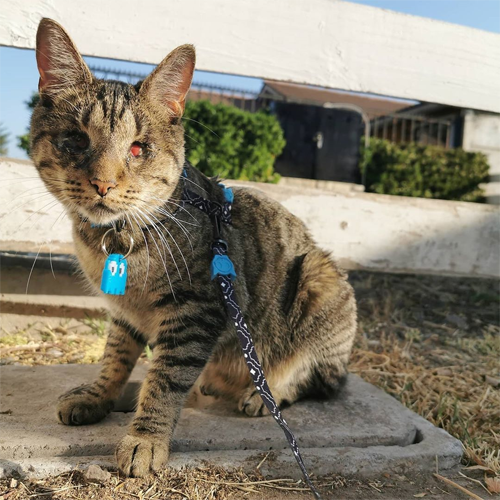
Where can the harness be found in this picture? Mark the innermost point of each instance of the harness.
(222, 270)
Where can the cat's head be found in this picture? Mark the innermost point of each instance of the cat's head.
(107, 149)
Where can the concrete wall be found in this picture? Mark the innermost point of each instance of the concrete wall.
(482, 133)
(367, 231)
(318, 42)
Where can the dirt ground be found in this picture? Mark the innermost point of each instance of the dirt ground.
(217, 484)
(431, 342)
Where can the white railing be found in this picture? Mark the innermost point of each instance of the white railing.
(318, 42)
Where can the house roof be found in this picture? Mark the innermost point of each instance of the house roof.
(373, 106)
(215, 96)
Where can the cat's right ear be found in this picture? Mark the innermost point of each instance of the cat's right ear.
(169, 83)
(58, 60)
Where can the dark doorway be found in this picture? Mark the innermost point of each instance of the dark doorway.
(337, 157)
(321, 143)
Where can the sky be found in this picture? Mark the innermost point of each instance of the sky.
(19, 76)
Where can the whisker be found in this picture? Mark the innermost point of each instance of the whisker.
(17, 207)
(58, 217)
(147, 248)
(170, 216)
(202, 124)
(50, 260)
(182, 228)
(38, 178)
(179, 206)
(162, 239)
(45, 191)
(78, 110)
(197, 185)
(33, 267)
(192, 138)
(35, 222)
(54, 202)
(159, 253)
(175, 243)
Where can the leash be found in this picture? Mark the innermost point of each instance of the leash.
(222, 269)
(114, 277)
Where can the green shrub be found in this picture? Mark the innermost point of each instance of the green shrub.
(423, 171)
(232, 143)
(23, 141)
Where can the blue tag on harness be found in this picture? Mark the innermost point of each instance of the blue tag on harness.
(222, 265)
(228, 194)
(114, 275)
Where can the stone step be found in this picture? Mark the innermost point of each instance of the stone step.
(60, 306)
(364, 432)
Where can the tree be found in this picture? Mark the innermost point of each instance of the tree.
(4, 136)
(24, 140)
(232, 143)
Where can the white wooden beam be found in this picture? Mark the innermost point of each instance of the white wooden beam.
(329, 43)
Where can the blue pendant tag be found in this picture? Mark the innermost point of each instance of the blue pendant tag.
(114, 275)
(222, 265)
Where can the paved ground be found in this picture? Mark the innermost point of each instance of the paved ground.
(366, 432)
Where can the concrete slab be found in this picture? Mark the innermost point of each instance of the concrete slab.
(364, 433)
(61, 306)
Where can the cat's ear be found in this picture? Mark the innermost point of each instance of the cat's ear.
(169, 83)
(59, 62)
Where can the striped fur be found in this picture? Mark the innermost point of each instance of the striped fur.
(297, 302)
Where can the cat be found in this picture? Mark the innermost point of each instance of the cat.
(113, 153)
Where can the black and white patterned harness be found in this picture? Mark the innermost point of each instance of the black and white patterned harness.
(223, 270)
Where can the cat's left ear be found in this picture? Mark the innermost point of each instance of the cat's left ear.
(59, 63)
(169, 83)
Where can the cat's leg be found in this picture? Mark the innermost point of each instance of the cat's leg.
(285, 380)
(180, 355)
(90, 403)
(321, 378)
(226, 376)
(322, 319)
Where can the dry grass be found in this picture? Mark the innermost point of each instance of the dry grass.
(47, 342)
(434, 344)
(205, 483)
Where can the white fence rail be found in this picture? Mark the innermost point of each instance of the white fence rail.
(319, 42)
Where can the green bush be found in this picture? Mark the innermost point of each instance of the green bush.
(23, 141)
(423, 171)
(232, 143)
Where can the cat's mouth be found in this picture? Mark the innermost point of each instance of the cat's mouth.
(101, 207)
(100, 213)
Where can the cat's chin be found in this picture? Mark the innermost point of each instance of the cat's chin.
(101, 214)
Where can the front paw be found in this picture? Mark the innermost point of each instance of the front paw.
(83, 405)
(137, 456)
(252, 405)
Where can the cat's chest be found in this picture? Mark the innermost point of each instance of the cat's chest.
(136, 306)
(148, 279)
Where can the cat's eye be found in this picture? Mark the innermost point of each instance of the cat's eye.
(136, 149)
(76, 142)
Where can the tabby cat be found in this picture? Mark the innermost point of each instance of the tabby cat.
(114, 152)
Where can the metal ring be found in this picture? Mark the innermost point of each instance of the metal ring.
(103, 243)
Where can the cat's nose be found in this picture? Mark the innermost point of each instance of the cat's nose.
(102, 187)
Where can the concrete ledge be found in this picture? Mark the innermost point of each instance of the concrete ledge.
(364, 433)
(363, 231)
(332, 186)
(61, 306)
